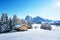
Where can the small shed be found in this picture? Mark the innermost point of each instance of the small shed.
(21, 27)
(36, 26)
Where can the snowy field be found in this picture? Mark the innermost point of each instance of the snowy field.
(33, 34)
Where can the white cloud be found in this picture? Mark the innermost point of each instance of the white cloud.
(57, 4)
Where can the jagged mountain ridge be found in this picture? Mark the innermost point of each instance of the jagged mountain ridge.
(37, 19)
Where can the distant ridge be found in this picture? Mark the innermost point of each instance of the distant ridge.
(37, 19)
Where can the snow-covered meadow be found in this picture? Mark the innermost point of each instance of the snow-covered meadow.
(33, 34)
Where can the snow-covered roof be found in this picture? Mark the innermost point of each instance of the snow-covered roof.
(18, 25)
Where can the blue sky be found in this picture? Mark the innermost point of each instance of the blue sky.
(48, 9)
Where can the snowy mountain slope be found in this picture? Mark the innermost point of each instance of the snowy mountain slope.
(33, 34)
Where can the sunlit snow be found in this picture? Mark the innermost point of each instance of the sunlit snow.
(33, 34)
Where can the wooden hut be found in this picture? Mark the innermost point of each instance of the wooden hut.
(21, 27)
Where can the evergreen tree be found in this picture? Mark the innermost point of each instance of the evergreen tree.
(10, 23)
(4, 18)
(46, 26)
(0, 26)
(4, 23)
(14, 20)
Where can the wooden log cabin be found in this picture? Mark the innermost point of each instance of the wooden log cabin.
(21, 27)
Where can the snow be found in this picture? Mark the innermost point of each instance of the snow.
(19, 25)
(33, 34)
(36, 25)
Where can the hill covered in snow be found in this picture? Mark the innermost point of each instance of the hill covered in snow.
(33, 34)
